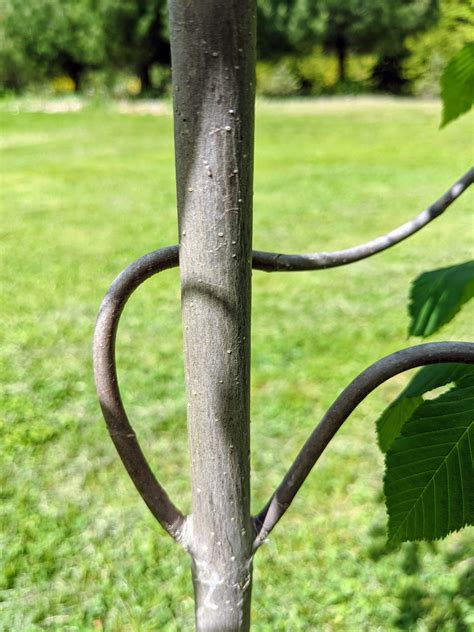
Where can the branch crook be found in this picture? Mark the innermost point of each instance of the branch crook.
(344, 405)
(120, 430)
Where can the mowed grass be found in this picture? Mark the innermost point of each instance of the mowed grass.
(83, 194)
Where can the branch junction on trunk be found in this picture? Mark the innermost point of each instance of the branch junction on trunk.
(123, 435)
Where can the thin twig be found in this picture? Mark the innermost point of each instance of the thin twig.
(348, 400)
(274, 262)
(121, 432)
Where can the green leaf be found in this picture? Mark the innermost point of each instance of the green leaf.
(457, 84)
(435, 375)
(391, 421)
(429, 476)
(437, 296)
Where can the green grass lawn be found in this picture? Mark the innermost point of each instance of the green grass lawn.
(85, 193)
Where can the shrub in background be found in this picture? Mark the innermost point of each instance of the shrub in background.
(430, 51)
(278, 79)
(316, 73)
(161, 80)
(319, 73)
(45, 39)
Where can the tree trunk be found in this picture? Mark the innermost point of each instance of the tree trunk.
(213, 65)
(341, 50)
(74, 70)
(145, 79)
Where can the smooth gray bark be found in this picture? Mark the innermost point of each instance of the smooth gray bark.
(213, 65)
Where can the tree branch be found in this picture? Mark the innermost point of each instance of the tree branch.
(347, 401)
(274, 262)
(121, 432)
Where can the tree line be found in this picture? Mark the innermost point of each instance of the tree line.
(43, 39)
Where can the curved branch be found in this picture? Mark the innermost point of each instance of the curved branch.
(274, 262)
(348, 400)
(119, 426)
(121, 432)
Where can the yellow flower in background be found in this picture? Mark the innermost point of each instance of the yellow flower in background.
(63, 84)
(134, 86)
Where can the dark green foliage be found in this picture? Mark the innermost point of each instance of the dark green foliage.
(429, 466)
(380, 26)
(390, 423)
(429, 470)
(136, 36)
(457, 84)
(46, 38)
(388, 75)
(437, 296)
(376, 26)
(287, 26)
(429, 475)
(43, 38)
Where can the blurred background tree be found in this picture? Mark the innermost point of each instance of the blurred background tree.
(428, 53)
(304, 46)
(287, 26)
(42, 39)
(137, 37)
(376, 26)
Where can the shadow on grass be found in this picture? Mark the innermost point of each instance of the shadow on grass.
(415, 602)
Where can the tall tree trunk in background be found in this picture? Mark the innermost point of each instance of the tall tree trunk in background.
(144, 76)
(74, 70)
(341, 50)
(213, 65)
